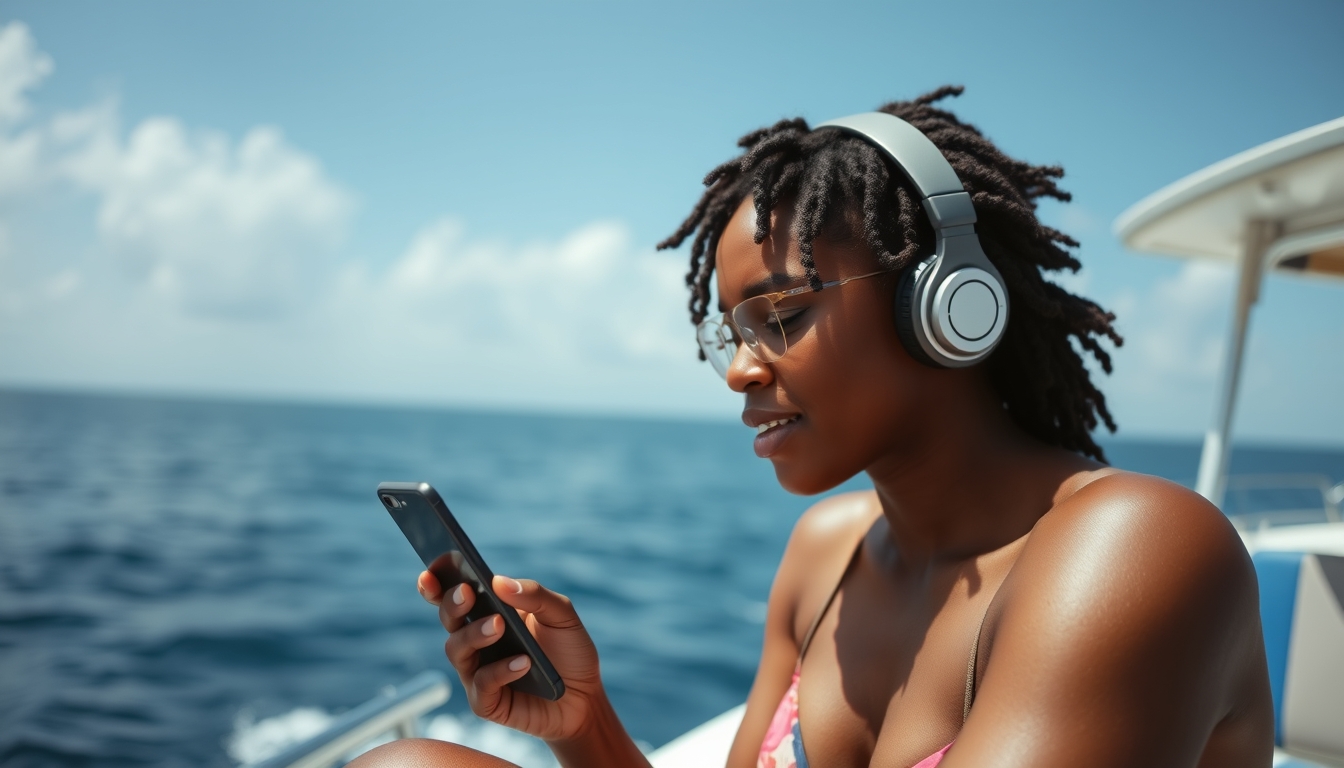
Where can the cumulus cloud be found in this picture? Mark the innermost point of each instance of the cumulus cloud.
(590, 320)
(234, 230)
(216, 227)
(1176, 329)
(1166, 375)
(218, 263)
(22, 68)
(590, 295)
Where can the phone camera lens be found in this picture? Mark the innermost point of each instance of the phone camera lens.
(390, 501)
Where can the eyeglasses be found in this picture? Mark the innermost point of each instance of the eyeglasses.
(761, 322)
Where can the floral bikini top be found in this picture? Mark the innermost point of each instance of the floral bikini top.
(783, 744)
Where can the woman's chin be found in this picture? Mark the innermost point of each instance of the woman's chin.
(805, 480)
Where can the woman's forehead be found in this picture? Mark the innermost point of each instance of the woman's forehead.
(745, 267)
(742, 262)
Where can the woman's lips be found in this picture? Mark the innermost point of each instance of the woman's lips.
(773, 435)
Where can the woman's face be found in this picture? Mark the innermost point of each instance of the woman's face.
(852, 395)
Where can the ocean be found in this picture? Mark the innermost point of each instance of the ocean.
(187, 582)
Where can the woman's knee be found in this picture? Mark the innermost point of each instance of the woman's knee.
(426, 753)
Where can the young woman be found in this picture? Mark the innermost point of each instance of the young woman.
(1002, 597)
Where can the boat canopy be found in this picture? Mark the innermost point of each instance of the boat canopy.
(1279, 206)
(1295, 184)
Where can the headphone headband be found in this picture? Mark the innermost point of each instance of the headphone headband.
(944, 199)
(952, 307)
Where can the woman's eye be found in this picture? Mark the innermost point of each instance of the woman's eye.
(787, 319)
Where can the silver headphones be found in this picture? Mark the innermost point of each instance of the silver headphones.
(951, 308)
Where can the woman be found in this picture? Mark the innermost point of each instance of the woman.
(1002, 597)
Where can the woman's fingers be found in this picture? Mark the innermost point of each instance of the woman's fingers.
(455, 605)
(548, 608)
(552, 620)
(487, 686)
(428, 586)
(466, 642)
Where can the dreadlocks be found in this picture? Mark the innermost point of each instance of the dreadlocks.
(1036, 370)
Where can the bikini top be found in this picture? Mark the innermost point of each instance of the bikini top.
(783, 743)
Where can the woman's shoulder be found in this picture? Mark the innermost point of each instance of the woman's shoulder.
(1142, 530)
(1132, 586)
(1138, 552)
(837, 521)
(819, 549)
(1151, 516)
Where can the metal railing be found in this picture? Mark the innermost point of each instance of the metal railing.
(395, 710)
(1242, 488)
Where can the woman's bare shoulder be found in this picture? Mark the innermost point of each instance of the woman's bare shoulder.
(1135, 587)
(819, 548)
(1155, 517)
(835, 521)
(1133, 571)
(1123, 534)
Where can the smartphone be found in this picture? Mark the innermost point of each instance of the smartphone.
(441, 543)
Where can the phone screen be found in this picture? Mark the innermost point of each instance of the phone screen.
(448, 554)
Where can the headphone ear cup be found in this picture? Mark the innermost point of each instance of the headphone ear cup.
(905, 310)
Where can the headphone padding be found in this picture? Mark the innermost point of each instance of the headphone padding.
(905, 307)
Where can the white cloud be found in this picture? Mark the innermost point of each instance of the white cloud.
(221, 229)
(1166, 374)
(1175, 330)
(589, 321)
(217, 227)
(218, 264)
(590, 296)
(22, 68)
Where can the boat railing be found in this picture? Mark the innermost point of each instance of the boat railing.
(1267, 500)
(397, 709)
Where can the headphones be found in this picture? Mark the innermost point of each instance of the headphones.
(951, 307)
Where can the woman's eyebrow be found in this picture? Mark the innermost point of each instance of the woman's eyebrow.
(773, 282)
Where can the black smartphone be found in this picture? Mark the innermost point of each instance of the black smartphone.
(441, 543)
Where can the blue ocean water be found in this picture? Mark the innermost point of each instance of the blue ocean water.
(169, 566)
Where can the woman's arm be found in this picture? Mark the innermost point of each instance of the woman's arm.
(1129, 631)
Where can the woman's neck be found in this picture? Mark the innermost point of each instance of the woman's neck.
(975, 483)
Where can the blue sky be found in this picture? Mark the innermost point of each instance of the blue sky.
(452, 204)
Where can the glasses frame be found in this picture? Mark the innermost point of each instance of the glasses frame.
(726, 318)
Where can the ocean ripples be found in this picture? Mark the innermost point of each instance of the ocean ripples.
(167, 566)
(178, 579)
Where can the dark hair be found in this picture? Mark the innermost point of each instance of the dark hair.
(1036, 370)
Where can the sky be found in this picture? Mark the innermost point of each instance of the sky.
(456, 204)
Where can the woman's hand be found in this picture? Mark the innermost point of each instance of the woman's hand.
(551, 618)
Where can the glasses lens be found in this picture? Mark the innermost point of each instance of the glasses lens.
(718, 342)
(761, 328)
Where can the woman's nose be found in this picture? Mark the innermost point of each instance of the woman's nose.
(746, 369)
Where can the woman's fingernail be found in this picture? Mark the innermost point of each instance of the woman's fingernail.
(489, 629)
(460, 594)
(518, 664)
(513, 585)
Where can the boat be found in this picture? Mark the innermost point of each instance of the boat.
(1277, 208)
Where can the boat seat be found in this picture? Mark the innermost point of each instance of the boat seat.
(1302, 615)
